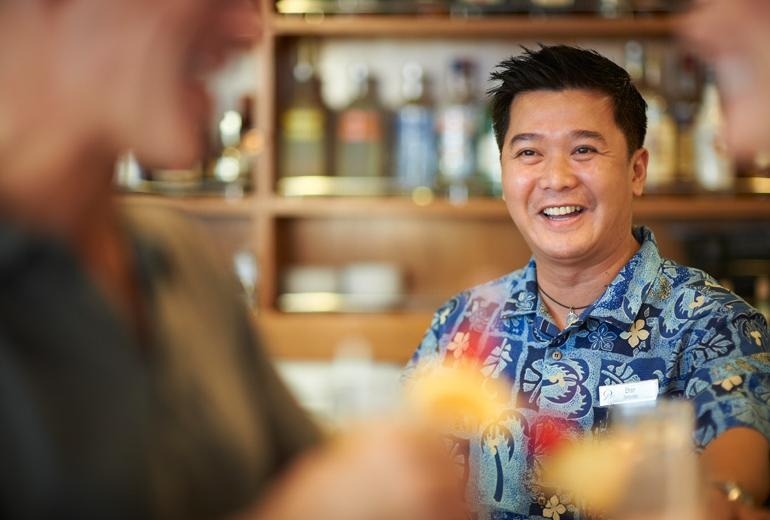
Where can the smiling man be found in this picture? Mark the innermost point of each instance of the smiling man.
(596, 306)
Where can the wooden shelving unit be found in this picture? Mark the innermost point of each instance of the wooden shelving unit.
(657, 207)
(443, 246)
(201, 206)
(497, 27)
(393, 337)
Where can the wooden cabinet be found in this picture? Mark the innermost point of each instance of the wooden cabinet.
(441, 247)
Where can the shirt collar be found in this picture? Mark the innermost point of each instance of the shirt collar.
(523, 297)
(623, 298)
(621, 301)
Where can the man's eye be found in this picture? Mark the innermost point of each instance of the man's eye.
(526, 153)
(582, 150)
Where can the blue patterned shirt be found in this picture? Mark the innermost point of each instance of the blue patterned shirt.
(656, 320)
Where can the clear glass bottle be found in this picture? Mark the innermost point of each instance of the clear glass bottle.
(613, 8)
(415, 135)
(304, 122)
(714, 169)
(488, 157)
(458, 127)
(684, 109)
(541, 7)
(762, 296)
(645, 69)
(227, 166)
(360, 130)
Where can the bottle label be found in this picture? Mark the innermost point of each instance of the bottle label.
(356, 126)
(661, 142)
(553, 4)
(457, 136)
(416, 160)
(303, 124)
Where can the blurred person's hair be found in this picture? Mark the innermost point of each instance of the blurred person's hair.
(561, 67)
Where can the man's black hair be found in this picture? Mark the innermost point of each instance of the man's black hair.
(561, 67)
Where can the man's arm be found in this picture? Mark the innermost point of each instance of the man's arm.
(742, 456)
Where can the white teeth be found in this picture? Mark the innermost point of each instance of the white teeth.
(557, 211)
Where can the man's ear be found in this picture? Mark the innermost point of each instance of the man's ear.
(639, 170)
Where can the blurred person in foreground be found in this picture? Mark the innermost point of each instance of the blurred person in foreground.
(130, 382)
(734, 37)
(741, 62)
(596, 305)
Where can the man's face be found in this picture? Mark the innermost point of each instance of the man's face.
(567, 178)
(167, 48)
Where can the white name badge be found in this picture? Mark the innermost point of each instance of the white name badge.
(628, 393)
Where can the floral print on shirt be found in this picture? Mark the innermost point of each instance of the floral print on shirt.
(656, 320)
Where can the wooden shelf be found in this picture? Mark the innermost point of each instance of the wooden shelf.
(392, 336)
(664, 207)
(207, 206)
(703, 207)
(493, 27)
(386, 206)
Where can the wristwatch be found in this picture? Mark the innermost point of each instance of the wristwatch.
(734, 492)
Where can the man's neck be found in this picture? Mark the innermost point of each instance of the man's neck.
(56, 189)
(579, 284)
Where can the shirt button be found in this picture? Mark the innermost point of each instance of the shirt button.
(556, 355)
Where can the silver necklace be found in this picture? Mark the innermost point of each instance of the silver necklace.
(572, 316)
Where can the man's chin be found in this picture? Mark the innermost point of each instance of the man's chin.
(566, 253)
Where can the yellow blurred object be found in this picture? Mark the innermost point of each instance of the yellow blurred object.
(645, 468)
(456, 398)
(595, 471)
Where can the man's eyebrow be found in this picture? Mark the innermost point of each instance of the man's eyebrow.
(524, 137)
(588, 134)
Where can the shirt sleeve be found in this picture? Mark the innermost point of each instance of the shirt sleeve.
(730, 387)
(430, 352)
(293, 430)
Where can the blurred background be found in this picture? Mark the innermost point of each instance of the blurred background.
(352, 177)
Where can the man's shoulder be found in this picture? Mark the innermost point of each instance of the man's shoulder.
(698, 289)
(497, 289)
(492, 292)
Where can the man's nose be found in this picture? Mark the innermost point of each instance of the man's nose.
(558, 174)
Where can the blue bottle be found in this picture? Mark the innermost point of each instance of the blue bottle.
(416, 159)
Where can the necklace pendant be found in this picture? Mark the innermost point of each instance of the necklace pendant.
(572, 316)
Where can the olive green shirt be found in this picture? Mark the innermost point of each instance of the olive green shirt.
(190, 421)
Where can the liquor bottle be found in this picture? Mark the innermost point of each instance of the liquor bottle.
(684, 108)
(129, 174)
(488, 157)
(227, 167)
(714, 170)
(652, 7)
(360, 129)
(613, 8)
(487, 7)
(458, 126)
(251, 142)
(762, 296)
(544, 7)
(415, 134)
(304, 144)
(661, 140)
